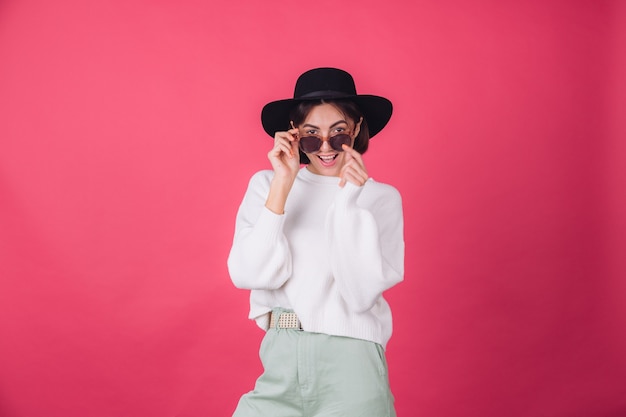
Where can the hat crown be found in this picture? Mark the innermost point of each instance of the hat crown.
(324, 83)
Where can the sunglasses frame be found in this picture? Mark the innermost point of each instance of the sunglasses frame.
(335, 142)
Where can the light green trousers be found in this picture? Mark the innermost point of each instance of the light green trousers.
(317, 375)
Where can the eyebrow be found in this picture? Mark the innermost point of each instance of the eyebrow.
(331, 126)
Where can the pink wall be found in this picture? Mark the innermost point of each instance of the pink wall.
(129, 129)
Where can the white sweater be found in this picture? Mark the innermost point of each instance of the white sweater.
(328, 258)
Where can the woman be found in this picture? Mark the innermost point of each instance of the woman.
(318, 246)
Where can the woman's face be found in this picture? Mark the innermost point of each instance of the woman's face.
(325, 121)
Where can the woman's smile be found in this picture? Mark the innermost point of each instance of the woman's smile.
(328, 160)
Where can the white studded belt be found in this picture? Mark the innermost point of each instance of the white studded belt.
(284, 320)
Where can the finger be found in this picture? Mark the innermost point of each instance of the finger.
(295, 147)
(349, 155)
(354, 157)
(285, 142)
(282, 143)
(295, 141)
(356, 164)
(354, 173)
(279, 152)
(354, 179)
(352, 153)
(359, 177)
(348, 177)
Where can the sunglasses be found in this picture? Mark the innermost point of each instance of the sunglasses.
(312, 144)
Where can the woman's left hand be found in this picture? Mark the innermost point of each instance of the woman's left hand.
(353, 169)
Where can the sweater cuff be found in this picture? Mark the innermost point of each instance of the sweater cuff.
(349, 194)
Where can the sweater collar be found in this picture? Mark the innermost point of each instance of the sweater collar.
(308, 176)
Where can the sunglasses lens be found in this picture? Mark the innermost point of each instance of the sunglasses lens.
(310, 144)
(338, 140)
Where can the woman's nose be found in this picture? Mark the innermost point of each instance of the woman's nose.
(326, 145)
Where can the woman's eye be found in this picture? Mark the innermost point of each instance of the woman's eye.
(311, 132)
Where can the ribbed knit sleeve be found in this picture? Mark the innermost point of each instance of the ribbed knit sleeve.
(259, 258)
(366, 245)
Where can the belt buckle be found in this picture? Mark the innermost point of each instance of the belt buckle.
(284, 320)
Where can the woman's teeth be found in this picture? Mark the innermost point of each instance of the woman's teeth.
(327, 158)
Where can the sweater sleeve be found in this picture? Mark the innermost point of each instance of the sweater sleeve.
(366, 244)
(259, 258)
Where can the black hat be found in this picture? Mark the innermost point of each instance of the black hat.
(326, 84)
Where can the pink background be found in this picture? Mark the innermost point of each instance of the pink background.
(129, 130)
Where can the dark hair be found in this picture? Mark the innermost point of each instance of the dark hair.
(300, 112)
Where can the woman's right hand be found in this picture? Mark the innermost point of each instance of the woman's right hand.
(285, 160)
(284, 156)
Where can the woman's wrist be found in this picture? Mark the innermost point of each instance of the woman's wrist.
(277, 196)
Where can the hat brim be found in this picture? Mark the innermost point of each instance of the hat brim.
(376, 111)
